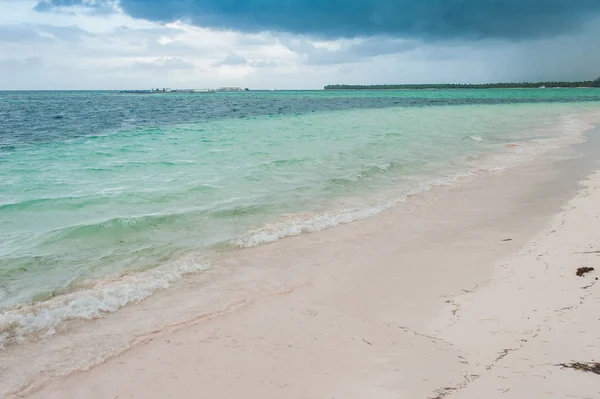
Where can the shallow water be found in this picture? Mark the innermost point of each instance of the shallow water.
(97, 185)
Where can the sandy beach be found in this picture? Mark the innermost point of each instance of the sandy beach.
(467, 291)
(261, 199)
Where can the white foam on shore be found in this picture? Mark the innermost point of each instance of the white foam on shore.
(46, 317)
(43, 318)
(324, 221)
(571, 131)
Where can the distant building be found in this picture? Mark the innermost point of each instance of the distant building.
(165, 90)
(230, 89)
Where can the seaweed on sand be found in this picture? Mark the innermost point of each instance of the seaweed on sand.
(587, 367)
(583, 270)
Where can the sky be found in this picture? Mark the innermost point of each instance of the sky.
(293, 44)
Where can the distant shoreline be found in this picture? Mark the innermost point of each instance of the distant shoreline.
(455, 88)
(590, 84)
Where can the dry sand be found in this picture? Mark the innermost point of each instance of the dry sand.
(428, 300)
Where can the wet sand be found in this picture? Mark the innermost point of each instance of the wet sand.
(466, 291)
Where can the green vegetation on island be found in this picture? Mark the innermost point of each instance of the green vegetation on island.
(511, 85)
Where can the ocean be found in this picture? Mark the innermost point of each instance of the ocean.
(107, 197)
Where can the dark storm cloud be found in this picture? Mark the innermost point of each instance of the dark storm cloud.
(97, 7)
(423, 19)
(50, 5)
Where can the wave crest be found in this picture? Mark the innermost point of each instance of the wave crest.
(104, 297)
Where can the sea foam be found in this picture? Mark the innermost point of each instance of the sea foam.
(43, 318)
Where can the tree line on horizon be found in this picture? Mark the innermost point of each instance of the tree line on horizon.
(509, 85)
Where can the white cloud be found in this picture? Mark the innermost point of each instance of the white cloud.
(76, 48)
(112, 50)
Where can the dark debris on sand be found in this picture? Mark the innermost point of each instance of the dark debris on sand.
(587, 367)
(583, 270)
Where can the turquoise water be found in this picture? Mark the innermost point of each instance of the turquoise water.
(97, 185)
